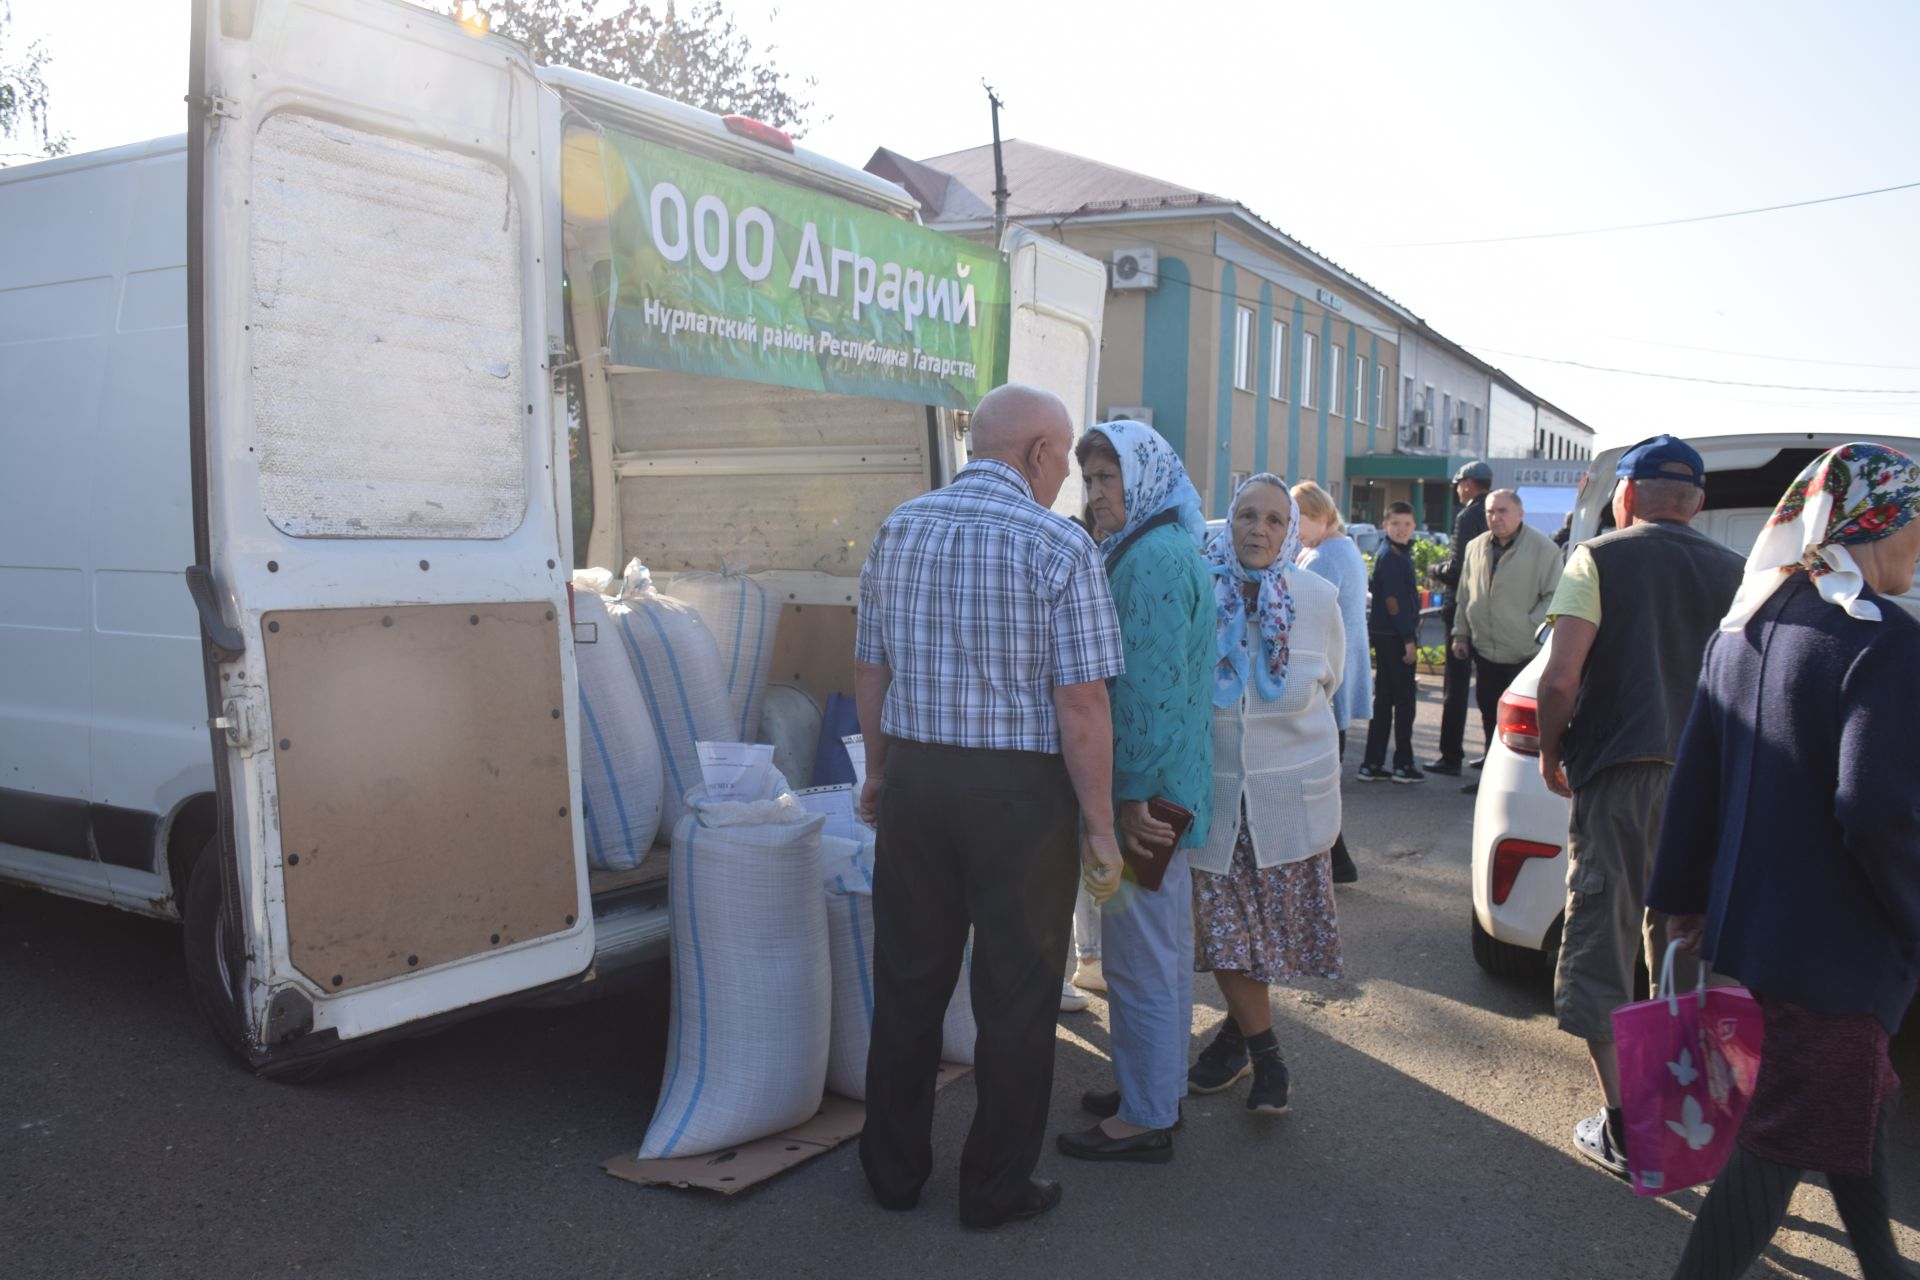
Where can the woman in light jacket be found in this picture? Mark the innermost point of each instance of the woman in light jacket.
(1328, 551)
(1263, 882)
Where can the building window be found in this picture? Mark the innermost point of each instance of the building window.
(1426, 403)
(1243, 348)
(1309, 371)
(1336, 400)
(1379, 395)
(1360, 389)
(1446, 417)
(1278, 377)
(1476, 427)
(1406, 398)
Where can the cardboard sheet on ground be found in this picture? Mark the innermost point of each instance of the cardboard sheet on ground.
(752, 1163)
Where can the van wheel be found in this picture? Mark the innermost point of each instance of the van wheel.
(216, 962)
(1503, 959)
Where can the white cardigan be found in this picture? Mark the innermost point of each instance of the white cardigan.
(1283, 755)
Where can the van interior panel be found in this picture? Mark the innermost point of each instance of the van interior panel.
(813, 650)
(424, 810)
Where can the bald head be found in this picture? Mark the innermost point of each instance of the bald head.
(1029, 430)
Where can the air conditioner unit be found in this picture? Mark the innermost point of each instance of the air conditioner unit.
(1129, 413)
(1135, 269)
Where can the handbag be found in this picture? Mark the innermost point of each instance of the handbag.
(1687, 1069)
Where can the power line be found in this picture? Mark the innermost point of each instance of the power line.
(1665, 222)
(1683, 377)
(1756, 355)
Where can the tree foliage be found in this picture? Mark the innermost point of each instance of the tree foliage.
(698, 56)
(24, 117)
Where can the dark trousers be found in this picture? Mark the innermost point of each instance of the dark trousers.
(1392, 703)
(1453, 705)
(987, 839)
(1490, 680)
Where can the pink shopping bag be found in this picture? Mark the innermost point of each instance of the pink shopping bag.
(1687, 1068)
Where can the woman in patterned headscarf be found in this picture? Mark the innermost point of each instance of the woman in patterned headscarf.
(1262, 884)
(1790, 851)
(1146, 517)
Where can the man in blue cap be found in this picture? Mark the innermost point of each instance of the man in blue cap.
(1631, 616)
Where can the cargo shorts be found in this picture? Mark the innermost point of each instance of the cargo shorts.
(1610, 848)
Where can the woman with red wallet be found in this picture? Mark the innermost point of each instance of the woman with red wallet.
(1262, 881)
(1146, 518)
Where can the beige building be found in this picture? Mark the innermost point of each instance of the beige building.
(1246, 349)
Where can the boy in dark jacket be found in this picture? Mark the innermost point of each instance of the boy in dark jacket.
(1391, 626)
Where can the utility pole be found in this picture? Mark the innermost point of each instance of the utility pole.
(999, 171)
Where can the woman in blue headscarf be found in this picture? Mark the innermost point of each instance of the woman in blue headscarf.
(1146, 518)
(1263, 881)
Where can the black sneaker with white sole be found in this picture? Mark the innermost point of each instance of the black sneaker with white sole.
(1372, 773)
(1222, 1064)
(1407, 773)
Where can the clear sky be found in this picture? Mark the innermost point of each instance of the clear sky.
(1370, 125)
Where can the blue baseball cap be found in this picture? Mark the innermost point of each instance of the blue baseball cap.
(1662, 458)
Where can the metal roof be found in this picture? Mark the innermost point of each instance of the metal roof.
(1044, 181)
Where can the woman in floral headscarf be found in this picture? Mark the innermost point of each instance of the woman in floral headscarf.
(1263, 884)
(1790, 851)
(1146, 517)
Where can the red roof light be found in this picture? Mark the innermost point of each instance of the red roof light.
(748, 127)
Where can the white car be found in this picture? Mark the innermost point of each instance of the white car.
(1520, 827)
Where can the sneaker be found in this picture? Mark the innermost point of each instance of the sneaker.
(1088, 976)
(1444, 766)
(1071, 1001)
(1222, 1064)
(1407, 773)
(1372, 773)
(1592, 1139)
(1268, 1096)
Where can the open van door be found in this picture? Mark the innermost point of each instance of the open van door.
(382, 551)
(1059, 297)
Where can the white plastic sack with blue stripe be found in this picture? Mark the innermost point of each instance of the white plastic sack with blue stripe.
(846, 867)
(743, 619)
(752, 978)
(620, 773)
(678, 666)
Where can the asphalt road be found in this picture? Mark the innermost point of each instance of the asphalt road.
(1428, 1135)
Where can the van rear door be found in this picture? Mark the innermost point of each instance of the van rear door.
(1059, 297)
(378, 487)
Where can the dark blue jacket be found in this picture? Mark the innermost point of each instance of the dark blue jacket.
(1793, 817)
(1393, 580)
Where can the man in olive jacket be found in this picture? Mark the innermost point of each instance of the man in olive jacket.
(1507, 580)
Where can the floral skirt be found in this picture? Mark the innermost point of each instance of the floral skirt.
(1273, 924)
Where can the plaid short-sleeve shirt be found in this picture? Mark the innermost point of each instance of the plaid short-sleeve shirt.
(981, 602)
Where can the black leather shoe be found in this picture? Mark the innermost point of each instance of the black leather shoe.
(1096, 1103)
(1041, 1195)
(1443, 766)
(1481, 763)
(1155, 1146)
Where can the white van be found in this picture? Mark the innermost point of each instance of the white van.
(359, 349)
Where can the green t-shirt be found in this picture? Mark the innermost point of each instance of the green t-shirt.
(1578, 595)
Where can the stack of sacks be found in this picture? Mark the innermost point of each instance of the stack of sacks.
(743, 620)
(678, 665)
(846, 868)
(621, 777)
(752, 977)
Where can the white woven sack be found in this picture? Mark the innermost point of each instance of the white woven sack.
(752, 981)
(846, 867)
(958, 1031)
(621, 778)
(678, 666)
(743, 620)
(790, 720)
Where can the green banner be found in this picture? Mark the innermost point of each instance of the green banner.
(735, 275)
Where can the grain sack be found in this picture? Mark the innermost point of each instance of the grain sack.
(621, 777)
(678, 666)
(790, 720)
(958, 1032)
(846, 869)
(752, 977)
(743, 620)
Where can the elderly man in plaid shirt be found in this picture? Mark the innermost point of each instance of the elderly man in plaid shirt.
(986, 637)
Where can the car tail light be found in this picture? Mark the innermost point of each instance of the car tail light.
(1519, 724)
(748, 127)
(1508, 857)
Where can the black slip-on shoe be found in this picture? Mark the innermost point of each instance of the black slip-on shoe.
(1041, 1195)
(1481, 763)
(1344, 870)
(1444, 767)
(1095, 1102)
(1155, 1146)
(1471, 789)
